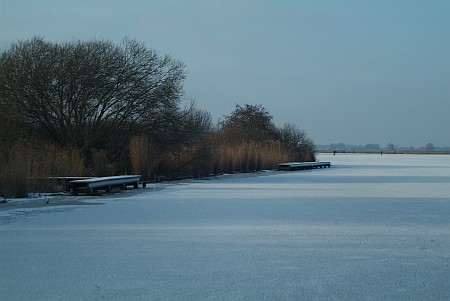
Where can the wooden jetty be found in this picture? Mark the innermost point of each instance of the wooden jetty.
(92, 185)
(303, 165)
(65, 181)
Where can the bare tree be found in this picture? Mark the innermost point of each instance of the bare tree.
(195, 123)
(250, 122)
(82, 93)
(298, 142)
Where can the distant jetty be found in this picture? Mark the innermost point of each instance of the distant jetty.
(303, 165)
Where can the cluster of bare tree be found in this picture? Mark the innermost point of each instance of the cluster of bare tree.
(77, 93)
(254, 123)
(121, 105)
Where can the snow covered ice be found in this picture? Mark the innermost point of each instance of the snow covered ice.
(371, 227)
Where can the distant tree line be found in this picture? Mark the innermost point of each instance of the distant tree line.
(98, 108)
(429, 147)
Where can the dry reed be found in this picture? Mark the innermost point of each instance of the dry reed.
(249, 156)
(34, 167)
(144, 157)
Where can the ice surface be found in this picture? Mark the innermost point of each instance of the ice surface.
(369, 228)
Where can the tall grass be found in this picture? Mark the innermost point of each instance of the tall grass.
(144, 157)
(101, 165)
(14, 173)
(34, 166)
(248, 156)
(190, 160)
(206, 157)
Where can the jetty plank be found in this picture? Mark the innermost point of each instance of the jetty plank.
(92, 185)
(290, 166)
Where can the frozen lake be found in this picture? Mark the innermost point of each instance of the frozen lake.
(369, 228)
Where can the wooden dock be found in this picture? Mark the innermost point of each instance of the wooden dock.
(65, 181)
(303, 165)
(91, 186)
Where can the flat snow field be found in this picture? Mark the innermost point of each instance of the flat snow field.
(371, 227)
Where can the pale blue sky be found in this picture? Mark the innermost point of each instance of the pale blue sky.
(345, 71)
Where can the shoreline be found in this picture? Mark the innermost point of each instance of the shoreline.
(387, 152)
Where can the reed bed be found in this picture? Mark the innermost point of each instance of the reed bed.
(33, 167)
(249, 156)
(144, 157)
